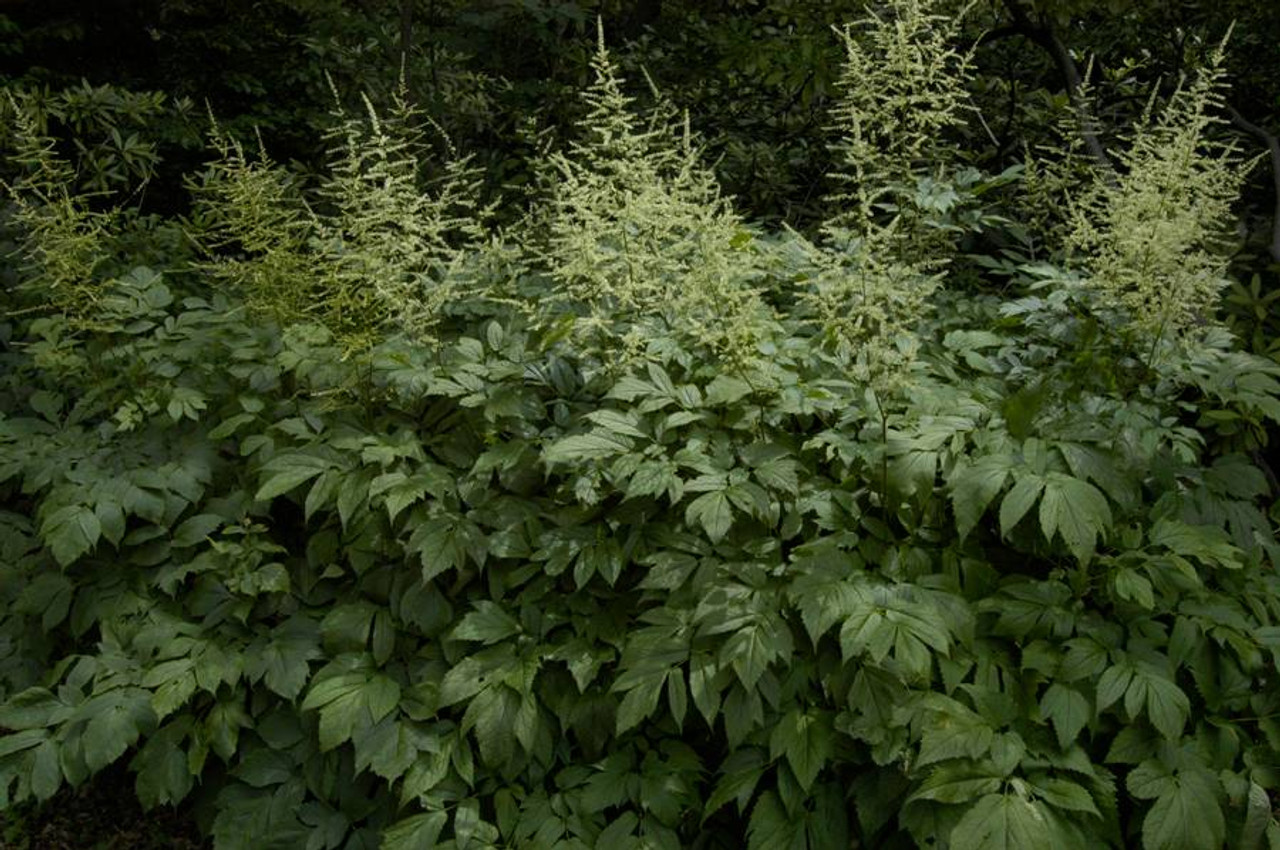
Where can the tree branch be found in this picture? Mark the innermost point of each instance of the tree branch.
(1273, 145)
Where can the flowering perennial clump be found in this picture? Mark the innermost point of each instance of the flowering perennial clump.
(1154, 237)
(637, 228)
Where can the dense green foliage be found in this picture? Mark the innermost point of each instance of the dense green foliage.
(355, 520)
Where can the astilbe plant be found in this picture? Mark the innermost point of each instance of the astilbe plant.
(636, 229)
(902, 89)
(254, 227)
(394, 248)
(866, 286)
(63, 237)
(373, 253)
(1154, 238)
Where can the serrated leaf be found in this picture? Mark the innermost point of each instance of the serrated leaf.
(594, 446)
(954, 733)
(805, 739)
(1166, 705)
(974, 488)
(1134, 587)
(771, 829)
(389, 749)
(703, 670)
(1077, 511)
(780, 474)
(33, 708)
(160, 768)
(1018, 501)
(350, 702)
(726, 389)
(640, 701)
(116, 719)
(111, 518)
(739, 776)
(488, 623)
(957, 783)
(1003, 822)
(1067, 709)
(70, 532)
(1186, 816)
(1206, 543)
(285, 471)
(415, 833)
(713, 512)
(619, 422)
(492, 714)
(655, 477)
(281, 659)
(1149, 780)
(46, 772)
(1257, 817)
(1113, 684)
(195, 530)
(1064, 794)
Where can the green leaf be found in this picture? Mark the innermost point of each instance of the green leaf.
(285, 471)
(623, 423)
(1206, 543)
(726, 389)
(34, 708)
(713, 512)
(1257, 817)
(955, 732)
(1003, 822)
(494, 714)
(655, 477)
(1150, 779)
(488, 623)
(1018, 501)
(958, 782)
(1064, 794)
(1113, 683)
(390, 748)
(594, 446)
(1068, 710)
(116, 719)
(70, 532)
(162, 775)
(771, 829)
(780, 474)
(419, 832)
(282, 658)
(640, 701)
(111, 517)
(1075, 509)
(46, 773)
(740, 773)
(974, 488)
(1085, 658)
(1167, 706)
(703, 671)
(1186, 816)
(196, 529)
(350, 702)
(1134, 587)
(754, 647)
(805, 739)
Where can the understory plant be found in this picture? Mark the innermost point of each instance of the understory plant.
(349, 522)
